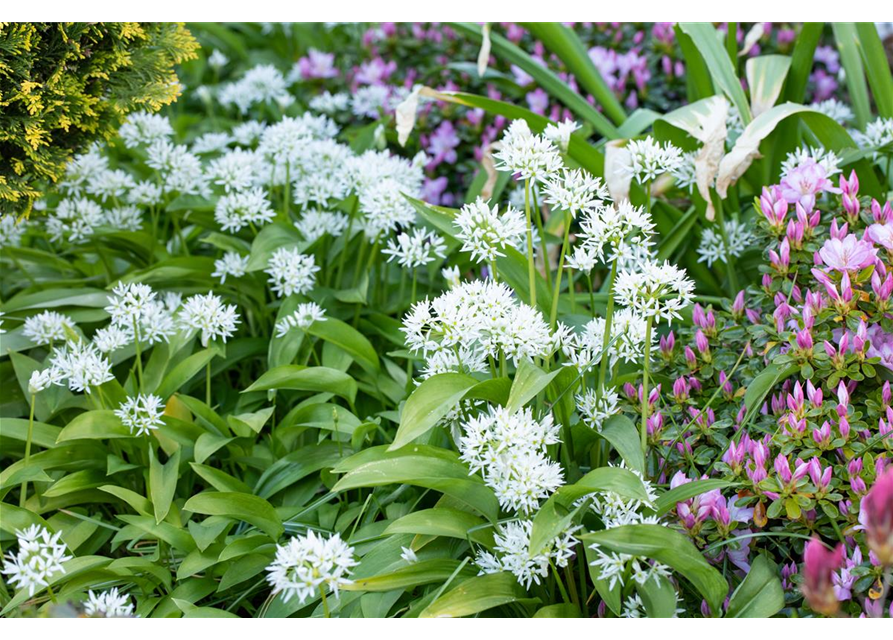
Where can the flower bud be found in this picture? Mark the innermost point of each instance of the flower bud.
(819, 566)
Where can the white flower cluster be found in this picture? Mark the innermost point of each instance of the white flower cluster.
(526, 155)
(209, 315)
(878, 133)
(512, 546)
(144, 129)
(575, 191)
(484, 233)
(303, 317)
(648, 159)
(261, 84)
(595, 409)
(306, 564)
(138, 314)
(417, 249)
(39, 558)
(476, 320)
(627, 343)
(48, 327)
(230, 265)
(712, 247)
(836, 110)
(81, 365)
(291, 272)
(509, 449)
(240, 209)
(108, 604)
(314, 224)
(141, 414)
(658, 291)
(616, 232)
(11, 231)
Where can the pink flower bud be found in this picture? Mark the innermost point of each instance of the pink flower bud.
(738, 304)
(690, 357)
(877, 508)
(819, 566)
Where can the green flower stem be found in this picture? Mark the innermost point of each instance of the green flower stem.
(538, 217)
(208, 384)
(346, 236)
(556, 291)
(645, 369)
(325, 603)
(530, 268)
(571, 290)
(139, 355)
(24, 490)
(730, 260)
(287, 191)
(609, 317)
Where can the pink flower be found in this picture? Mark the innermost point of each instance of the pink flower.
(819, 566)
(804, 182)
(849, 254)
(882, 234)
(877, 507)
(317, 64)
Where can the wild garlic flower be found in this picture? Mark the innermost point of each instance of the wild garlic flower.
(135, 309)
(48, 327)
(836, 110)
(648, 159)
(608, 231)
(144, 128)
(44, 379)
(408, 555)
(584, 258)
(618, 568)
(878, 133)
(370, 101)
(633, 607)
(40, 557)
(306, 564)
(145, 193)
(110, 184)
(212, 142)
(231, 264)
(584, 349)
(560, 134)
(291, 272)
(247, 133)
(314, 224)
(509, 449)
(141, 414)
(713, 248)
(108, 604)
(461, 359)
(74, 220)
(657, 291)
(217, 59)
(685, 172)
(235, 211)
(480, 316)
(575, 191)
(126, 218)
(415, 250)
(329, 103)
(615, 510)
(82, 366)
(237, 170)
(180, 170)
(526, 155)
(263, 83)
(81, 168)
(284, 143)
(11, 231)
(386, 208)
(209, 314)
(303, 318)
(111, 338)
(512, 552)
(595, 409)
(485, 233)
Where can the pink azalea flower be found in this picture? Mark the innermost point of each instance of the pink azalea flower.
(882, 234)
(849, 254)
(804, 183)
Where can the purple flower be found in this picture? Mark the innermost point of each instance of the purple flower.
(442, 145)
(317, 65)
(804, 182)
(849, 254)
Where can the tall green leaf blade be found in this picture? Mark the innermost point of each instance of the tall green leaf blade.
(240, 506)
(760, 595)
(848, 46)
(476, 595)
(877, 67)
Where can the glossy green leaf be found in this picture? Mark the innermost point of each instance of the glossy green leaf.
(241, 506)
(312, 379)
(476, 595)
(760, 595)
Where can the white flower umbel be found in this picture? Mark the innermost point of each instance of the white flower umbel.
(108, 604)
(584, 258)
(451, 275)
(485, 233)
(610, 230)
(209, 315)
(41, 380)
(82, 366)
(180, 170)
(303, 318)
(575, 191)
(291, 272)
(111, 338)
(109, 184)
(416, 249)
(145, 193)
(526, 155)
(48, 327)
(648, 159)
(657, 291)
(237, 170)
(685, 172)
(135, 308)
(39, 558)
(329, 103)
(314, 224)
(627, 342)
(877, 134)
(560, 134)
(305, 565)
(231, 264)
(11, 231)
(509, 449)
(408, 555)
(595, 410)
(143, 128)
(512, 552)
(370, 101)
(212, 142)
(385, 207)
(141, 414)
(713, 248)
(74, 220)
(836, 110)
(247, 133)
(263, 83)
(237, 210)
(125, 218)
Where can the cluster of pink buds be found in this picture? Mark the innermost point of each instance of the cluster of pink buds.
(819, 567)
(774, 208)
(783, 471)
(854, 469)
(667, 346)
(705, 321)
(820, 476)
(781, 261)
(877, 509)
(803, 227)
(849, 190)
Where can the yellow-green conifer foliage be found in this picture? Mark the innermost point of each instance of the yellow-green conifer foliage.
(65, 84)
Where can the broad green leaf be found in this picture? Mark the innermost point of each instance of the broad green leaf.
(312, 379)
(183, 372)
(269, 239)
(659, 597)
(442, 521)
(623, 435)
(417, 573)
(77, 481)
(683, 492)
(706, 39)
(672, 549)
(529, 381)
(241, 506)
(94, 425)
(421, 466)
(556, 513)
(558, 611)
(298, 465)
(42, 435)
(476, 595)
(56, 298)
(163, 482)
(346, 337)
(802, 60)
(220, 480)
(760, 595)
(429, 403)
(760, 387)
